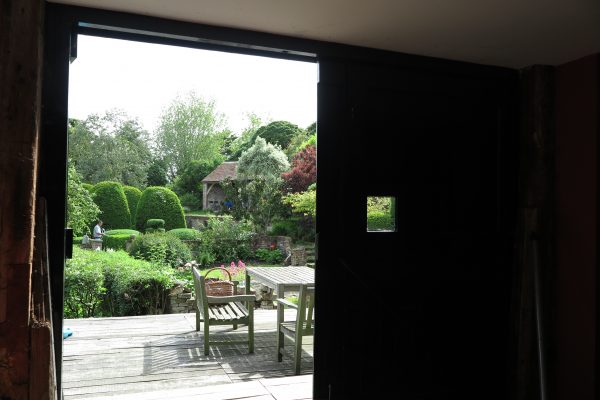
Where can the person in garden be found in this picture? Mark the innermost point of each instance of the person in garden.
(98, 231)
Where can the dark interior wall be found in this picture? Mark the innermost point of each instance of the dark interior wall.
(577, 128)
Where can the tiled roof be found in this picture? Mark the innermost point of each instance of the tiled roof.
(226, 170)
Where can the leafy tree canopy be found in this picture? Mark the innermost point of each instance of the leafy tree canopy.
(246, 139)
(262, 160)
(279, 133)
(303, 202)
(190, 179)
(190, 129)
(157, 173)
(303, 172)
(81, 209)
(110, 147)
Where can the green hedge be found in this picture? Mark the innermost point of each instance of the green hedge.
(99, 283)
(110, 198)
(115, 242)
(88, 186)
(155, 224)
(133, 195)
(380, 221)
(159, 202)
(185, 233)
(160, 248)
(84, 285)
(122, 232)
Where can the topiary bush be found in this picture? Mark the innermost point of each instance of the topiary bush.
(133, 195)
(110, 198)
(155, 223)
(380, 221)
(185, 233)
(88, 186)
(159, 202)
(122, 232)
(115, 241)
(160, 248)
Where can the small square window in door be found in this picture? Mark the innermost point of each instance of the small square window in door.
(381, 214)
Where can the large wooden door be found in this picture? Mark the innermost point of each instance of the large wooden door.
(424, 311)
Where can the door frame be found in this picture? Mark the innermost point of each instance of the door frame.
(63, 23)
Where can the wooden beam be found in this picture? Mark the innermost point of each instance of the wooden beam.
(21, 27)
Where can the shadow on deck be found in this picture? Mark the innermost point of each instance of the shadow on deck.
(133, 355)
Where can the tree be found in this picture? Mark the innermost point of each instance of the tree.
(258, 200)
(189, 181)
(303, 172)
(246, 139)
(190, 129)
(256, 194)
(279, 133)
(304, 202)
(109, 147)
(81, 209)
(157, 173)
(262, 160)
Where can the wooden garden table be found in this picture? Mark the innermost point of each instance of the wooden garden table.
(280, 279)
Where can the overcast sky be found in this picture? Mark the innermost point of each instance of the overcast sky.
(142, 79)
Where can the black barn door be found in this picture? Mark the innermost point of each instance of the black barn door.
(422, 312)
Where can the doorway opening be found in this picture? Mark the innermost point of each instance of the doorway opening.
(184, 160)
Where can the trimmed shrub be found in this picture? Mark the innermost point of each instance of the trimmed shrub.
(155, 223)
(160, 248)
(133, 195)
(160, 202)
(110, 198)
(88, 186)
(185, 233)
(122, 232)
(115, 241)
(380, 221)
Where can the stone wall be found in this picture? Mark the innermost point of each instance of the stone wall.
(283, 243)
(182, 300)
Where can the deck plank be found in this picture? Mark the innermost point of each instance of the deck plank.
(161, 356)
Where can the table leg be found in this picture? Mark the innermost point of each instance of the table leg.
(247, 283)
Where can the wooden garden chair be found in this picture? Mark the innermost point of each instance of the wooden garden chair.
(295, 330)
(222, 310)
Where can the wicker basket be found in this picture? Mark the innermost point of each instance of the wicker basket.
(217, 287)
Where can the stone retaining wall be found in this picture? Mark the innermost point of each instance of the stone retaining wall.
(181, 299)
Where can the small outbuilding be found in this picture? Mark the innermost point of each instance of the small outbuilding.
(212, 191)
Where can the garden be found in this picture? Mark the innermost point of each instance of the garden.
(143, 189)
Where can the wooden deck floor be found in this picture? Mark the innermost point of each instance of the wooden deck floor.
(152, 356)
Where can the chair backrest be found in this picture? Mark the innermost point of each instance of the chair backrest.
(306, 305)
(200, 289)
